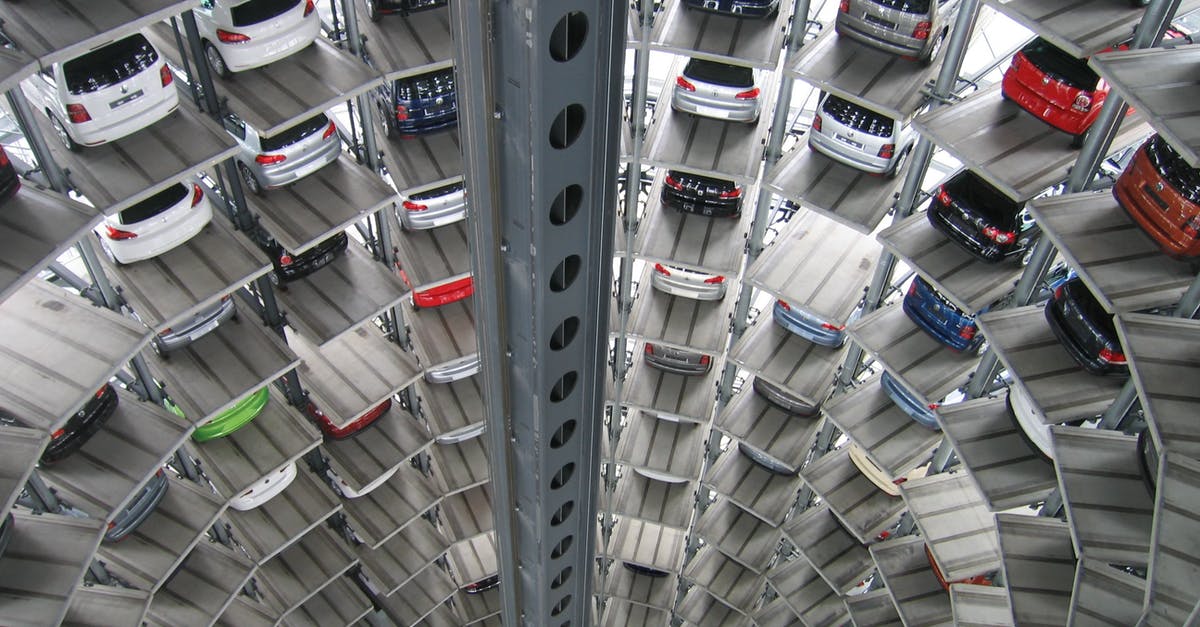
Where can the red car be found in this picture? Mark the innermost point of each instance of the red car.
(1161, 192)
(444, 293)
(333, 431)
(1058, 88)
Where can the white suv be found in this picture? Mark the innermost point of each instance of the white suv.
(244, 35)
(109, 92)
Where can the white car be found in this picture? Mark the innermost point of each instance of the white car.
(265, 489)
(687, 283)
(350, 492)
(155, 225)
(462, 435)
(1032, 421)
(240, 36)
(108, 92)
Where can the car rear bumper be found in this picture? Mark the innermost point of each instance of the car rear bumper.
(733, 110)
(445, 293)
(277, 482)
(460, 368)
(154, 244)
(235, 418)
(848, 155)
(881, 38)
(780, 398)
(198, 327)
(1148, 212)
(252, 54)
(137, 512)
(910, 404)
(808, 327)
(69, 442)
(714, 207)
(1075, 348)
(298, 167)
(313, 259)
(1065, 120)
(680, 286)
(99, 132)
(677, 366)
(434, 215)
(937, 329)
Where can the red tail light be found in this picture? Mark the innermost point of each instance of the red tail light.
(705, 360)
(401, 113)
(309, 7)
(968, 332)
(1112, 356)
(329, 131)
(1083, 102)
(912, 288)
(661, 270)
(649, 348)
(998, 236)
(78, 114)
(231, 37)
(285, 259)
(922, 30)
(166, 75)
(672, 183)
(412, 206)
(118, 234)
(4, 158)
(715, 280)
(899, 480)
(833, 327)
(1191, 228)
(934, 405)
(816, 125)
(270, 159)
(944, 197)
(844, 7)
(58, 433)
(784, 305)
(684, 84)
(733, 193)
(197, 194)
(749, 94)
(887, 151)
(1058, 292)
(100, 392)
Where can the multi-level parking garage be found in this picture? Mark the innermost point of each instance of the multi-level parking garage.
(771, 480)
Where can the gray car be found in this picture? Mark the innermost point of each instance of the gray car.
(428, 208)
(856, 136)
(266, 162)
(687, 283)
(717, 90)
(139, 509)
(199, 325)
(676, 360)
(909, 28)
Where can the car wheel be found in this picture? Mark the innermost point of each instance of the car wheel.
(389, 122)
(1077, 140)
(899, 164)
(60, 129)
(934, 49)
(109, 253)
(249, 180)
(275, 281)
(373, 11)
(216, 62)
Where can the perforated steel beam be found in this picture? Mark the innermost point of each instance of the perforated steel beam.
(539, 118)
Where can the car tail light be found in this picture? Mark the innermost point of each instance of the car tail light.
(705, 360)
(912, 288)
(100, 392)
(111, 524)
(943, 197)
(78, 114)
(1058, 292)
(329, 131)
(998, 236)
(1083, 102)
(749, 94)
(783, 303)
(270, 159)
(816, 125)
(58, 433)
(658, 267)
(684, 83)
(649, 348)
(1111, 356)
(118, 234)
(166, 75)
(673, 183)
(968, 332)
(934, 405)
(844, 7)
(165, 332)
(230, 37)
(716, 280)
(833, 327)
(197, 194)
(733, 193)
(887, 150)
(922, 30)
(1191, 228)
(899, 480)
(285, 259)
(4, 158)
(309, 7)
(401, 113)
(412, 206)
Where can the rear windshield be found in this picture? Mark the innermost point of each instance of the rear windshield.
(296, 133)
(256, 11)
(1060, 65)
(1174, 169)
(859, 118)
(154, 205)
(438, 192)
(719, 73)
(906, 6)
(972, 191)
(109, 65)
(430, 85)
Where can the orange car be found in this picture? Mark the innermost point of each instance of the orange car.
(1161, 192)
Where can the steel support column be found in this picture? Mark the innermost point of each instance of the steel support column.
(539, 112)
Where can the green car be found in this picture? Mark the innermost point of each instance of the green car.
(233, 418)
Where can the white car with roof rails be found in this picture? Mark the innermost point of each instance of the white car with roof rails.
(243, 35)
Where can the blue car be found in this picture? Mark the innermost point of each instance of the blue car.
(938, 317)
(414, 105)
(905, 400)
(808, 326)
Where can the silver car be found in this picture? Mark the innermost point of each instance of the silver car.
(909, 28)
(267, 162)
(717, 90)
(687, 283)
(199, 325)
(852, 134)
(676, 360)
(433, 207)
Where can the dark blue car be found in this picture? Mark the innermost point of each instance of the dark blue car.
(414, 105)
(938, 317)
(736, 8)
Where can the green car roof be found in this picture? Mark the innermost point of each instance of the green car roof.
(234, 418)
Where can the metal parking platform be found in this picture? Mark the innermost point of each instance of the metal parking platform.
(638, 589)
(391, 440)
(457, 467)
(807, 595)
(19, 451)
(1013, 150)
(1161, 84)
(980, 605)
(698, 607)
(777, 355)
(474, 559)
(752, 487)
(468, 513)
(442, 334)
(955, 522)
(993, 449)
(663, 447)
(78, 347)
(817, 265)
(421, 160)
(757, 42)
(395, 562)
(970, 284)
(1105, 594)
(647, 544)
(273, 526)
(872, 608)
(892, 440)
(43, 563)
(60, 30)
(1164, 366)
(1170, 593)
(864, 509)
(391, 507)
(1055, 384)
(849, 196)
(834, 553)
(1079, 27)
(687, 323)
(680, 397)
(37, 227)
(202, 587)
(105, 605)
(782, 436)
(339, 602)
(714, 245)
(305, 567)
(910, 581)
(1039, 567)
(474, 609)
(622, 612)
(431, 256)
(1120, 264)
(777, 613)
(738, 534)
(408, 45)
(727, 580)
(652, 500)
(452, 409)
(419, 597)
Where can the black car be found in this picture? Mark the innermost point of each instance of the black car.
(6, 533)
(79, 428)
(414, 105)
(487, 583)
(736, 8)
(9, 181)
(1085, 329)
(289, 267)
(705, 195)
(981, 220)
(638, 569)
(376, 9)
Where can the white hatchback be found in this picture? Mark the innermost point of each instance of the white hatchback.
(155, 225)
(264, 489)
(106, 93)
(244, 35)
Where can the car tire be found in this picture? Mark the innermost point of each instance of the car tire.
(389, 123)
(1077, 140)
(934, 49)
(372, 11)
(1139, 3)
(216, 62)
(899, 164)
(109, 253)
(60, 130)
(249, 180)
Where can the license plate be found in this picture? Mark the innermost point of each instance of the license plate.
(878, 21)
(202, 331)
(849, 141)
(127, 99)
